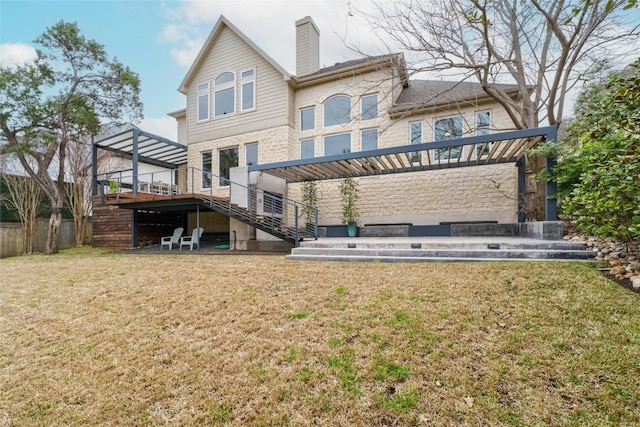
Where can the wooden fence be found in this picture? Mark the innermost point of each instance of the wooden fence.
(12, 237)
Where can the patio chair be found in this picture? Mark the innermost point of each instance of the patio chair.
(192, 240)
(171, 240)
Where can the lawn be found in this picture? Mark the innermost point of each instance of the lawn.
(89, 337)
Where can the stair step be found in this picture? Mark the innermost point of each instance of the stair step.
(356, 258)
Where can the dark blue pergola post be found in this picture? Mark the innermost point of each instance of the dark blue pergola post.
(94, 167)
(551, 201)
(522, 188)
(134, 160)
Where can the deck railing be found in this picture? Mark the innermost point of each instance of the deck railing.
(266, 210)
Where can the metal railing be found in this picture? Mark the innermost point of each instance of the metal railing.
(266, 210)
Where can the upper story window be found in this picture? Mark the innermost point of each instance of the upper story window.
(369, 107)
(369, 139)
(251, 154)
(448, 128)
(248, 90)
(307, 118)
(337, 144)
(415, 137)
(337, 110)
(483, 127)
(224, 94)
(203, 102)
(307, 148)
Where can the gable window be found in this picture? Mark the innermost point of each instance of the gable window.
(368, 139)
(337, 110)
(337, 144)
(251, 154)
(227, 159)
(205, 165)
(307, 118)
(248, 90)
(445, 129)
(307, 148)
(369, 107)
(483, 127)
(415, 137)
(224, 94)
(203, 102)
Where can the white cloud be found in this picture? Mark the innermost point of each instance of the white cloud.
(13, 54)
(166, 127)
(271, 25)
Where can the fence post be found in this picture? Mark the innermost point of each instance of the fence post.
(295, 225)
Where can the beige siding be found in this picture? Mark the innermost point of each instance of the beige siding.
(231, 53)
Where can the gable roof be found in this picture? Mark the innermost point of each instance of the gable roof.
(208, 44)
(423, 94)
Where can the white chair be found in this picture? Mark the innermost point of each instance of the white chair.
(171, 240)
(192, 240)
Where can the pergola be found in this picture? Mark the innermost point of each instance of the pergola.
(505, 147)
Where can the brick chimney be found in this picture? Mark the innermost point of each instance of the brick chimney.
(307, 46)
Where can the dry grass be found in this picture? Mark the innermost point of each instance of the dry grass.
(94, 338)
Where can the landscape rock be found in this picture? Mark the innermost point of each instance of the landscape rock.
(616, 270)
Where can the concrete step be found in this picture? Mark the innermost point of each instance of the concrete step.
(302, 257)
(439, 250)
(447, 253)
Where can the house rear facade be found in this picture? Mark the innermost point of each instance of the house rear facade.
(244, 110)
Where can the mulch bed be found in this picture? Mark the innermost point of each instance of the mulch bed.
(625, 283)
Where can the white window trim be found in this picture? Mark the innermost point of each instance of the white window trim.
(243, 81)
(377, 137)
(246, 152)
(225, 86)
(199, 93)
(421, 123)
(324, 111)
(313, 108)
(362, 107)
(314, 147)
(462, 148)
(324, 137)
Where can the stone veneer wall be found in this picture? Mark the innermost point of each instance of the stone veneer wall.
(481, 193)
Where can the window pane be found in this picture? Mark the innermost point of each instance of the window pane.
(227, 159)
(247, 73)
(224, 102)
(369, 107)
(337, 144)
(337, 111)
(203, 107)
(369, 139)
(247, 96)
(483, 127)
(206, 170)
(224, 78)
(449, 128)
(415, 129)
(251, 151)
(307, 148)
(307, 119)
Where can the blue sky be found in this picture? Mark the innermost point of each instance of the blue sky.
(159, 39)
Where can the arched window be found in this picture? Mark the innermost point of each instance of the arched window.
(337, 110)
(224, 94)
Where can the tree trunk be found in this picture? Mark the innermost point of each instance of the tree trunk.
(52, 245)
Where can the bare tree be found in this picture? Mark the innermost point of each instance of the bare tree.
(24, 196)
(544, 47)
(78, 192)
